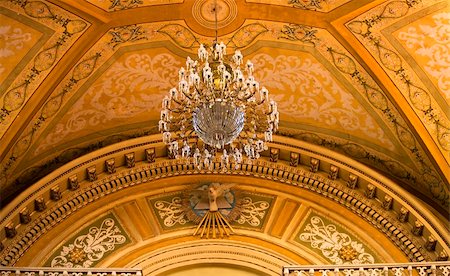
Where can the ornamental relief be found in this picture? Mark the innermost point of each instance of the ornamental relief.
(189, 208)
(91, 245)
(332, 242)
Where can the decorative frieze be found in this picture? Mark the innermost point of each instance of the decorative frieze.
(130, 161)
(110, 166)
(314, 165)
(72, 183)
(334, 172)
(91, 173)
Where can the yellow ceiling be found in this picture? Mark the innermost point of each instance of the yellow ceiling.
(367, 79)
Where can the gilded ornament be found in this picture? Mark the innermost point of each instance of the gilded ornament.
(403, 215)
(55, 193)
(110, 166)
(430, 245)
(76, 255)
(24, 216)
(348, 253)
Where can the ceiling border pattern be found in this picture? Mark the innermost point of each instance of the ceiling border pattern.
(67, 29)
(365, 28)
(355, 193)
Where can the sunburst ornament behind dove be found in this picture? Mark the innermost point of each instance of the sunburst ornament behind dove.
(212, 208)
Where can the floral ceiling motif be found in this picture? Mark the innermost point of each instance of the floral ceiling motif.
(334, 242)
(428, 41)
(66, 29)
(368, 28)
(117, 5)
(91, 244)
(241, 209)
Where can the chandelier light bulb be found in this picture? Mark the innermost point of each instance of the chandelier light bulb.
(217, 112)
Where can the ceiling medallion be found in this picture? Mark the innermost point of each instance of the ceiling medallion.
(204, 12)
(218, 106)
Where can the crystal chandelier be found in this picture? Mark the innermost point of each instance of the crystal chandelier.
(218, 111)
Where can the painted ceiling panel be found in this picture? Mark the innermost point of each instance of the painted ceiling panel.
(328, 93)
(65, 29)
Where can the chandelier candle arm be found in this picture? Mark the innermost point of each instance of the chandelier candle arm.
(217, 111)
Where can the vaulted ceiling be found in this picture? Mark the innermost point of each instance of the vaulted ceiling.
(364, 142)
(368, 79)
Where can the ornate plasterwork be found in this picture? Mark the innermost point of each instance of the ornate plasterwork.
(334, 242)
(187, 209)
(412, 167)
(67, 28)
(368, 28)
(91, 244)
(427, 41)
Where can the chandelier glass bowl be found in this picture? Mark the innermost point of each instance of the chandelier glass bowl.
(218, 111)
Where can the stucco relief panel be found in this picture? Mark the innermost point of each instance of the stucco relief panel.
(91, 244)
(334, 242)
(428, 41)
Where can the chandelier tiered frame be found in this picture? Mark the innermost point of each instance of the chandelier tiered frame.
(218, 111)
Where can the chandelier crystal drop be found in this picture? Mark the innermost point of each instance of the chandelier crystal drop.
(218, 111)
